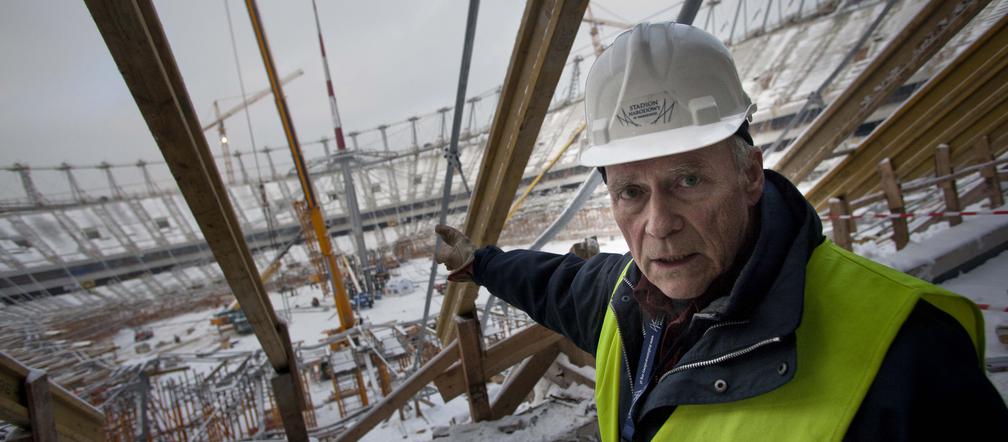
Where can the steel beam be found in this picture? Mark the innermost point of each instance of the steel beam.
(936, 23)
(540, 52)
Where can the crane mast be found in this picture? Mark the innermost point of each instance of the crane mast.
(311, 201)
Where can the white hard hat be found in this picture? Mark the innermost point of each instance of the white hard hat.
(661, 89)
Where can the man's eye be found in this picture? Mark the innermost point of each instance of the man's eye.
(690, 180)
(630, 193)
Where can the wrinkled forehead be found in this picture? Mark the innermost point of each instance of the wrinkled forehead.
(668, 166)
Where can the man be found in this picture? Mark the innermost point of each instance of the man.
(733, 318)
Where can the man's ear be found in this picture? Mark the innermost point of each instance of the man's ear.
(754, 177)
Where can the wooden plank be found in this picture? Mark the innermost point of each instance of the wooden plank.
(934, 25)
(992, 182)
(894, 199)
(471, 354)
(297, 385)
(943, 167)
(137, 43)
(76, 420)
(401, 395)
(519, 384)
(570, 373)
(285, 390)
(40, 407)
(499, 356)
(576, 355)
(540, 52)
(841, 226)
(963, 101)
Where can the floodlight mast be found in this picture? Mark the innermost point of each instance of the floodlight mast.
(345, 157)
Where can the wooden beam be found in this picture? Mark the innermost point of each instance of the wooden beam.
(992, 181)
(401, 395)
(137, 42)
(285, 390)
(499, 356)
(540, 52)
(841, 231)
(934, 25)
(471, 354)
(519, 384)
(75, 419)
(569, 373)
(140, 49)
(575, 354)
(40, 407)
(894, 199)
(943, 167)
(965, 100)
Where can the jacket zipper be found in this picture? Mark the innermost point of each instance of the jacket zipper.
(626, 360)
(724, 324)
(722, 358)
(619, 333)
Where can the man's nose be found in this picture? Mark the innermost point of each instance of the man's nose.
(662, 218)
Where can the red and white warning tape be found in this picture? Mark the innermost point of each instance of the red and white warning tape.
(867, 215)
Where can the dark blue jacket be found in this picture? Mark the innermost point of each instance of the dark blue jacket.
(929, 385)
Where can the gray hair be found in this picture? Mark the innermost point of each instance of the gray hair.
(742, 151)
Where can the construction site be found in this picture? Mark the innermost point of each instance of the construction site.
(240, 283)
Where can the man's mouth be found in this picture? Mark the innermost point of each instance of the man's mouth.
(673, 261)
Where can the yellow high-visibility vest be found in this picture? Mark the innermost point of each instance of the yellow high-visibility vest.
(852, 310)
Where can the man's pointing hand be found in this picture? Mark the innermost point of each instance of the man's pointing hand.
(456, 253)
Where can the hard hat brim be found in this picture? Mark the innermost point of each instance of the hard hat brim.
(659, 144)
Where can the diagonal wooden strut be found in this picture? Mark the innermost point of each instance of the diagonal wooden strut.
(964, 102)
(137, 43)
(389, 404)
(544, 40)
(936, 23)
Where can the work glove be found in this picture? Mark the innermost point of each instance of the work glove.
(457, 253)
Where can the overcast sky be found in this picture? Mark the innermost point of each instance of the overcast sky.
(62, 99)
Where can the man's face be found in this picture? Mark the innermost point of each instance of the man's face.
(685, 216)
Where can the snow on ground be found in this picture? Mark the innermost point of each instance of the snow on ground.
(564, 414)
(193, 329)
(197, 336)
(547, 419)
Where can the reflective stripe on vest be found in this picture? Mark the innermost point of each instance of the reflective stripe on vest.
(852, 310)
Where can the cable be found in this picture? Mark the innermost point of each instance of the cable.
(268, 213)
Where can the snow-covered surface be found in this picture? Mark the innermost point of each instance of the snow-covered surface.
(563, 414)
(938, 253)
(198, 337)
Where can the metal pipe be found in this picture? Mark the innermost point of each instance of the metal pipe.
(734, 22)
(688, 12)
(463, 81)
